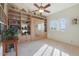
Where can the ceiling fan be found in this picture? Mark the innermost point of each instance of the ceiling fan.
(42, 8)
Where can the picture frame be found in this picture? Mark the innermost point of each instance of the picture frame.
(75, 21)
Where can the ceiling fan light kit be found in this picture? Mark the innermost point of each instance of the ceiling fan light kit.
(41, 10)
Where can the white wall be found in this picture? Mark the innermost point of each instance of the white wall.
(71, 33)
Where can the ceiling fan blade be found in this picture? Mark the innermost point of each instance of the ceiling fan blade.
(47, 5)
(36, 5)
(47, 11)
(34, 10)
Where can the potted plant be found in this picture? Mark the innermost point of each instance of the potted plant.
(9, 34)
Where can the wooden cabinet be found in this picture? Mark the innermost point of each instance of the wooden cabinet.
(38, 29)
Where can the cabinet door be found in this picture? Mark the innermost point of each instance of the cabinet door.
(38, 29)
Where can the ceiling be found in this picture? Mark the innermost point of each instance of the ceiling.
(55, 7)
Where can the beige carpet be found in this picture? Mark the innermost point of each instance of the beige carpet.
(46, 48)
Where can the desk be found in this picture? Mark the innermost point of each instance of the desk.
(6, 43)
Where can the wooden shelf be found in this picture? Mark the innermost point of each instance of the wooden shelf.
(13, 10)
(12, 14)
(13, 19)
(39, 17)
(24, 13)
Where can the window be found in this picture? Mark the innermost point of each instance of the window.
(58, 24)
(62, 24)
(53, 24)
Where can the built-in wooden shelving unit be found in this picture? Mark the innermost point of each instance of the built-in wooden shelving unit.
(14, 17)
(3, 20)
(23, 20)
(2, 14)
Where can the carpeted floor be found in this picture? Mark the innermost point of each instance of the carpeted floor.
(46, 48)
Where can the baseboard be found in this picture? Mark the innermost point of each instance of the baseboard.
(64, 42)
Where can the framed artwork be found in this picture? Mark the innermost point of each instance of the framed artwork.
(74, 21)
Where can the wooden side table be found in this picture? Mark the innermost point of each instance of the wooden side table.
(6, 43)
